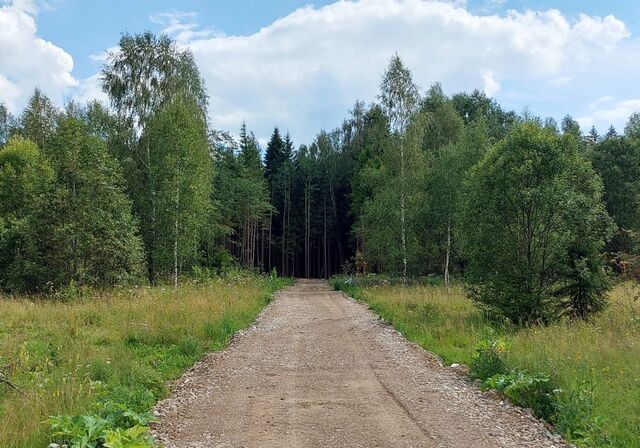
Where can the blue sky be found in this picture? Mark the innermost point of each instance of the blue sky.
(306, 67)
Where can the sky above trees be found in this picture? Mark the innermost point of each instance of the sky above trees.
(302, 67)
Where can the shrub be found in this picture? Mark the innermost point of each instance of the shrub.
(533, 391)
(489, 359)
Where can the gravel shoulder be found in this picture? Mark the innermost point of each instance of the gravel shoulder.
(320, 370)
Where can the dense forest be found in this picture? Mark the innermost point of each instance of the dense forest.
(417, 183)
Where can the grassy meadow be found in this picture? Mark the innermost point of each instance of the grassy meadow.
(595, 364)
(118, 347)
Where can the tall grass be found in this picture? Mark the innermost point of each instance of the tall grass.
(125, 342)
(599, 358)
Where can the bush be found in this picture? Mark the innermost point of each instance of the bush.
(489, 359)
(533, 391)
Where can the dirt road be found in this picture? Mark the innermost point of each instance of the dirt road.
(320, 370)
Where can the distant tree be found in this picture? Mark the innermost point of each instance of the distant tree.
(443, 123)
(399, 97)
(376, 141)
(92, 234)
(617, 160)
(5, 124)
(26, 179)
(476, 105)
(253, 196)
(38, 121)
(386, 249)
(593, 136)
(181, 175)
(571, 127)
(551, 124)
(534, 225)
(611, 132)
(632, 129)
(444, 187)
(275, 158)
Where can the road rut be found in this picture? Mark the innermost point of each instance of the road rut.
(320, 370)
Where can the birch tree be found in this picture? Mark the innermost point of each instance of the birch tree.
(182, 172)
(399, 97)
(143, 74)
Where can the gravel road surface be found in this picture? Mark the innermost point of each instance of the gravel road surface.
(320, 370)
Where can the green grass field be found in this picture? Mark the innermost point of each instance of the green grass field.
(599, 359)
(118, 347)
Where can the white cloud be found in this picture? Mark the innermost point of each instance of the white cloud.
(183, 26)
(618, 113)
(28, 6)
(491, 85)
(28, 61)
(305, 70)
(90, 89)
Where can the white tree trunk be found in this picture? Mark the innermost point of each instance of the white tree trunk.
(175, 239)
(447, 256)
(403, 228)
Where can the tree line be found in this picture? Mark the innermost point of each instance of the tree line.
(534, 214)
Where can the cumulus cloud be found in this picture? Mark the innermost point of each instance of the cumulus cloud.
(306, 69)
(28, 61)
(491, 85)
(605, 112)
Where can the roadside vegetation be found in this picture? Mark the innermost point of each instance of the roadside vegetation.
(583, 376)
(88, 369)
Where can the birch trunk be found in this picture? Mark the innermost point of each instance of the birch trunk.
(403, 230)
(176, 233)
(447, 256)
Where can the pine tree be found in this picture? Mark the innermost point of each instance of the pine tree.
(593, 136)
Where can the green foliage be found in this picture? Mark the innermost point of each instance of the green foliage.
(533, 208)
(135, 437)
(575, 417)
(38, 121)
(112, 426)
(180, 173)
(26, 178)
(617, 161)
(489, 359)
(92, 235)
(533, 391)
